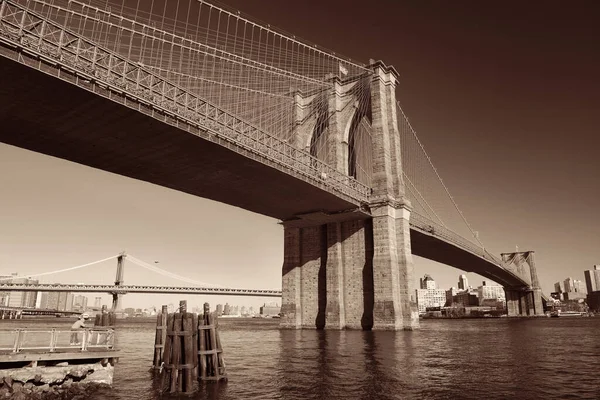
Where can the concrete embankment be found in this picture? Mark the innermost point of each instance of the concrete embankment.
(62, 381)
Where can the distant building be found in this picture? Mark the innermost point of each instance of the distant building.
(574, 285)
(227, 309)
(219, 310)
(80, 303)
(427, 282)
(271, 309)
(430, 298)
(466, 299)
(574, 295)
(463, 282)
(18, 299)
(592, 279)
(450, 293)
(61, 301)
(487, 293)
(593, 300)
(97, 302)
(559, 287)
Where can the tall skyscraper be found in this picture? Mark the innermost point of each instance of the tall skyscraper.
(463, 282)
(592, 279)
(227, 309)
(219, 310)
(97, 302)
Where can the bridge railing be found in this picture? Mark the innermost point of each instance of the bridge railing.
(82, 62)
(427, 225)
(55, 340)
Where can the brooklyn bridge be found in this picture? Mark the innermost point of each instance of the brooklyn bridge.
(208, 102)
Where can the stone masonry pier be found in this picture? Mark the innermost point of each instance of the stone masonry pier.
(354, 271)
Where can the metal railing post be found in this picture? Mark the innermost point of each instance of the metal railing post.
(84, 340)
(17, 343)
(53, 341)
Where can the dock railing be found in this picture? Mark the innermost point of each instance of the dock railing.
(56, 340)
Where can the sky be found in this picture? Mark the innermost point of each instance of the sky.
(505, 97)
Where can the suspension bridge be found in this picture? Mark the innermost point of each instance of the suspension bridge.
(194, 97)
(119, 289)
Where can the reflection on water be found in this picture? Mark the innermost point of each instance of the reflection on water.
(446, 359)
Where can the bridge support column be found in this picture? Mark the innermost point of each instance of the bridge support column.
(291, 302)
(523, 303)
(303, 278)
(349, 275)
(394, 302)
(512, 303)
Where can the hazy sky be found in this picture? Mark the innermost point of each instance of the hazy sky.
(505, 98)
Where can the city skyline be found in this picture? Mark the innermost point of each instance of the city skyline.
(500, 101)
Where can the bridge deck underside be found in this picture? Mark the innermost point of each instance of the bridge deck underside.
(436, 249)
(47, 115)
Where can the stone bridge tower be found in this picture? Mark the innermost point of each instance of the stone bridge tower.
(526, 301)
(352, 270)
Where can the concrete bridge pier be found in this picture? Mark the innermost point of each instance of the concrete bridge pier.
(523, 303)
(355, 273)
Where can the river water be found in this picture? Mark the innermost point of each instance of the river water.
(546, 358)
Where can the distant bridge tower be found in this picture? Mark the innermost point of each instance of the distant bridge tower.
(352, 270)
(116, 303)
(527, 301)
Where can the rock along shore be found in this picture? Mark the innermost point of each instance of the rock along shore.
(62, 381)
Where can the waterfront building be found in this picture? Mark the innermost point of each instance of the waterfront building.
(463, 282)
(227, 309)
(428, 298)
(466, 299)
(487, 293)
(270, 309)
(592, 279)
(97, 302)
(219, 310)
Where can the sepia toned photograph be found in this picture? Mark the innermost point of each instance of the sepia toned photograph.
(312, 200)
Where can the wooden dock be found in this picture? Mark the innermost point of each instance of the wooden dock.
(52, 345)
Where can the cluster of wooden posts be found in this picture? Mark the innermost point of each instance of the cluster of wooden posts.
(187, 349)
(105, 318)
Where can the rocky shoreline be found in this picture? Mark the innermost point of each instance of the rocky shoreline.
(62, 381)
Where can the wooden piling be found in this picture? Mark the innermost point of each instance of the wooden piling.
(167, 355)
(212, 366)
(160, 337)
(189, 358)
(202, 348)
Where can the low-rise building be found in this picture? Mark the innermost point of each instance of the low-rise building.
(270, 310)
